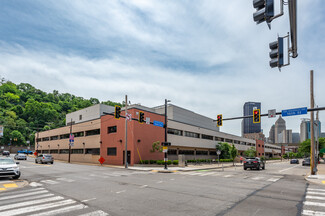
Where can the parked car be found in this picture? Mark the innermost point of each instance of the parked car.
(25, 151)
(8, 168)
(6, 153)
(44, 158)
(254, 163)
(294, 161)
(306, 162)
(20, 157)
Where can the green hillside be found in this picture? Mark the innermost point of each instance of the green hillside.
(24, 110)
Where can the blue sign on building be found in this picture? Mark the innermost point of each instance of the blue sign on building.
(158, 123)
(296, 111)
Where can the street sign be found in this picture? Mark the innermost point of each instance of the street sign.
(1, 130)
(147, 120)
(129, 117)
(272, 113)
(158, 123)
(71, 140)
(218, 152)
(101, 160)
(2, 147)
(165, 149)
(296, 111)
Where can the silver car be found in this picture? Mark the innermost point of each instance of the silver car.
(8, 168)
(20, 157)
(44, 158)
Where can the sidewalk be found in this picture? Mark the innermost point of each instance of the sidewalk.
(319, 178)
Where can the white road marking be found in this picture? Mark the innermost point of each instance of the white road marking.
(35, 184)
(314, 189)
(314, 204)
(207, 173)
(172, 179)
(227, 176)
(49, 182)
(26, 198)
(143, 186)
(20, 192)
(257, 178)
(315, 197)
(312, 213)
(65, 179)
(62, 210)
(273, 179)
(22, 195)
(288, 168)
(87, 200)
(120, 191)
(95, 213)
(33, 202)
(37, 208)
(159, 182)
(315, 193)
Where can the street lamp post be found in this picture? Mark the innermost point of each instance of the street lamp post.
(166, 143)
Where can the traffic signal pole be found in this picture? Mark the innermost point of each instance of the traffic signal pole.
(165, 132)
(126, 133)
(70, 141)
(312, 138)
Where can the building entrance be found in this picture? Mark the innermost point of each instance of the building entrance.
(128, 157)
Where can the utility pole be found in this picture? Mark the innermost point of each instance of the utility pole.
(37, 143)
(312, 139)
(166, 144)
(70, 141)
(126, 133)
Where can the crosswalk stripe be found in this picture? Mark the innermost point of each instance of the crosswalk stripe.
(62, 210)
(315, 197)
(22, 195)
(314, 203)
(28, 198)
(227, 176)
(20, 192)
(315, 193)
(312, 213)
(95, 213)
(207, 173)
(37, 208)
(257, 178)
(315, 189)
(273, 179)
(33, 202)
(49, 182)
(65, 179)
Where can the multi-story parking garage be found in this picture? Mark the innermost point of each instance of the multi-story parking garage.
(98, 134)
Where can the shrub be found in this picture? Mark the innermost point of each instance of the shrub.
(153, 161)
(169, 162)
(175, 162)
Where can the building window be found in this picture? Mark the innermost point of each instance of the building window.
(54, 151)
(64, 151)
(93, 132)
(172, 152)
(228, 140)
(236, 142)
(192, 134)
(186, 152)
(219, 139)
(204, 136)
(201, 152)
(112, 129)
(259, 145)
(80, 117)
(93, 151)
(39, 140)
(111, 151)
(213, 153)
(64, 136)
(45, 138)
(45, 151)
(259, 153)
(79, 134)
(77, 151)
(175, 132)
(54, 137)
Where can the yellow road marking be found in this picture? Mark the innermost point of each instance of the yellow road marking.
(323, 182)
(10, 185)
(1, 189)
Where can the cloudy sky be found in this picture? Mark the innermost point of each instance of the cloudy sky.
(206, 56)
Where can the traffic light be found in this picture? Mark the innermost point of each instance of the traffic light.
(219, 120)
(256, 116)
(141, 117)
(264, 11)
(117, 113)
(276, 53)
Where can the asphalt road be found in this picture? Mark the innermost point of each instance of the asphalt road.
(95, 190)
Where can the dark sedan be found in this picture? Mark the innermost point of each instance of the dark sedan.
(306, 162)
(294, 161)
(254, 163)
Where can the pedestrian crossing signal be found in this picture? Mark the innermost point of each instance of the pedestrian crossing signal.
(256, 116)
(117, 113)
(219, 120)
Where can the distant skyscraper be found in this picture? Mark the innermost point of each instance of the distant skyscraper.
(248, 126)
(271, 134)
(295, 138)
(305, 129)
(280, 125)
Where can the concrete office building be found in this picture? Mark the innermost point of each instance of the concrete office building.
(305, 132)
(190, 134)
(295, 138)
(248, 126)
(280, 125)
(272, 135)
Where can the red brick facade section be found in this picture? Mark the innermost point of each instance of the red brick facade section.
(140, 138)
(259, 148)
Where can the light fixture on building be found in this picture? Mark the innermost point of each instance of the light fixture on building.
(120, 141)
(138, 140)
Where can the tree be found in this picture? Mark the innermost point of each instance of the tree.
(233, 153)
(251, 152)
(225, 149)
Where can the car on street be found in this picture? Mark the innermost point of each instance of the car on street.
(294, 161)
(6, 153)
(44, 158)
(20, 156)
(25, 151)
(306, 162)
(254, 163)
(9, 168)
